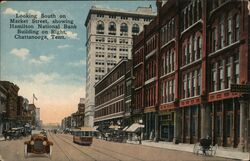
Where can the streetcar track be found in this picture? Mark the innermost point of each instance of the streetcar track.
(56, 143)
(89, 155)
(111, 151)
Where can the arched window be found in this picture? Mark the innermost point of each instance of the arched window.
(135, 29)
(112, 28)
(124, 27)
(100, 27)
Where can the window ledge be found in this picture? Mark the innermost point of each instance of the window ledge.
(192, 26)
(190, 64)
(169, 42)
(224, 48)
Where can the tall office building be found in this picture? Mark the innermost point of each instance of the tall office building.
(109, 39)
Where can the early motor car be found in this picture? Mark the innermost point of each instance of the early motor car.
(38, 144)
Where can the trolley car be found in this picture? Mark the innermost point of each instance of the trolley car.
(83, 135)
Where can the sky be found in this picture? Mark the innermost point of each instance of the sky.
(54, 70)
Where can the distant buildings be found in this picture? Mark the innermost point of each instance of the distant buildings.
(15, 111)
(76, 119)
(109, 39)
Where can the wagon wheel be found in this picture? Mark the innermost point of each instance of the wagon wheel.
(196, 148)
(25, 150)
(50, 151)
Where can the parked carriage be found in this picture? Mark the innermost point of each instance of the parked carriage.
(83, 135)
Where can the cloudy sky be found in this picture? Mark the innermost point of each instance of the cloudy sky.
(55, 70)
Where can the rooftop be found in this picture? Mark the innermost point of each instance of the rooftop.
(140, 12)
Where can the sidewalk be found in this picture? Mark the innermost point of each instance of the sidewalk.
(221, 151)
(2, 138)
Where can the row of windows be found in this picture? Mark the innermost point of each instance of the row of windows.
(100, 54)
(123, 17)
(150, 70)
(191, 85)
(98, 77)
(112, 40)
(167, 61)
(138, 56)
(150, 98)
(112, 28)
(167, 91)
(151, 44)
(99, 69)
(111, 109)
(168, 32)
(100, 39)
(115, 75)
(99, 47)
(111, 48)
(192, 49)
(111, 55)
(138, 100)
(139, 77)
(191, 14)
(110, 94)
(99, 62)
(224, 72)
(226, 32)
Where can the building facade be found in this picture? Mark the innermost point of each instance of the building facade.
(3, 101)
(109, 39)
(184, 63)
(110, 96)
(11, 103)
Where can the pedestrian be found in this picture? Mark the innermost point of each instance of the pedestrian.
(5, 134)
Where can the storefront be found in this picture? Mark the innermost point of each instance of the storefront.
(225, 116)
(149, 125)
(167, 126)
(190, 124)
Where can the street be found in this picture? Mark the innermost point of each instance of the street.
(65, 150)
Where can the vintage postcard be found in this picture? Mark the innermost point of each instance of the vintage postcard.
(149, 80)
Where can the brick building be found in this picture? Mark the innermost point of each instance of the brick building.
(184, 63)
(11, 103)
(110, 95)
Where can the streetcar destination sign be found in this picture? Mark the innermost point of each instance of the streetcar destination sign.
(244, 88)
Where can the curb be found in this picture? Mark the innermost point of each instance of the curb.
(220, 153)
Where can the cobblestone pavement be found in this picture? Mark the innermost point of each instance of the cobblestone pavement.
(65, 150)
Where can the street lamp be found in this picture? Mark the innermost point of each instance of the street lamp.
(140, 122)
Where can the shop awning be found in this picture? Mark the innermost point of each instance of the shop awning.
(125, 128)
(115, 127)
(95, 128)
(134, 127)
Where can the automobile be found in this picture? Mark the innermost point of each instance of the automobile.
(38, 144)
(14, 133)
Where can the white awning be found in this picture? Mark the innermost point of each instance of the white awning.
(134, 127)
(115, 127)
(95, 128)
(125, 128)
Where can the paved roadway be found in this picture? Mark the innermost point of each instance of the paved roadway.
(65, 150)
